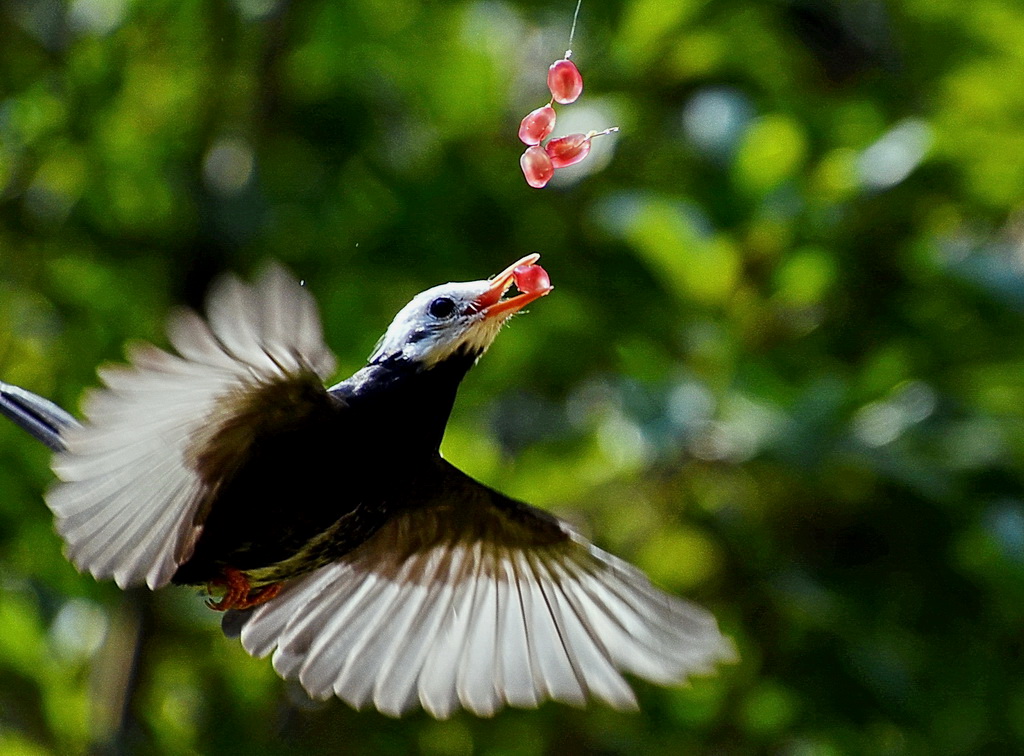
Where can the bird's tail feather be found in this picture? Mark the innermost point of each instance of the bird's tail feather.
(43, 419)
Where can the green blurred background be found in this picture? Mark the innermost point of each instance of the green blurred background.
(782, 369)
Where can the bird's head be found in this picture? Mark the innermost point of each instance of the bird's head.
(460, 318)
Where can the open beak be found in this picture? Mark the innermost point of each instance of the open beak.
(519, 273)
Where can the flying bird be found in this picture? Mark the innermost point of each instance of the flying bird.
(327, 525)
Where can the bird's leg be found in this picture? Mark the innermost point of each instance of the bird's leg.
(240, 594)
(260, 596)
(237, 586)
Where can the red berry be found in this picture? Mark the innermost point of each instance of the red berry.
(536, 167)
(531, 278)
(537, 126)
(568, 150)
(564, 81)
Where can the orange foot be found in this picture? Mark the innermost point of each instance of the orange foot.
(240, 595)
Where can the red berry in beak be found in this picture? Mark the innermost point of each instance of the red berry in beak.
(564, 81)
(536, 167)
(537, 126)
(531, 279)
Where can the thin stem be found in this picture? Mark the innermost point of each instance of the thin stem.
(572, 31)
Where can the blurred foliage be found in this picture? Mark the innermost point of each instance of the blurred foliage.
(782, 370)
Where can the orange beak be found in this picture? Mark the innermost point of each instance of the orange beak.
(491, 302)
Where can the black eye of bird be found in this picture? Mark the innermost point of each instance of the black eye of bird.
(442, 307)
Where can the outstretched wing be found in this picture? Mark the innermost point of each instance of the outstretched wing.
(480, 601)
(133, 477)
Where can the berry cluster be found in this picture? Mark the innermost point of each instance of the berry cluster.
(540, 161)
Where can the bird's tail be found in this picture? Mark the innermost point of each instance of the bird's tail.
(40, 417)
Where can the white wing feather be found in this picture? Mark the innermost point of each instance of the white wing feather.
(462, 611)
(128, 500)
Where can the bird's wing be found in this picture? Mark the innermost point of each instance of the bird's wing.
(480, 601)
(133, 479)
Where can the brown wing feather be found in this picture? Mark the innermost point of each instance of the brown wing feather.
(133, 483)
(476, 600)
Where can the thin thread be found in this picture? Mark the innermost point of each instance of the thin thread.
(572, 31)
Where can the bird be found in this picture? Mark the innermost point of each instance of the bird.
(325, 523)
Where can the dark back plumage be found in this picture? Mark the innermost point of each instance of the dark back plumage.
(401, 580)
